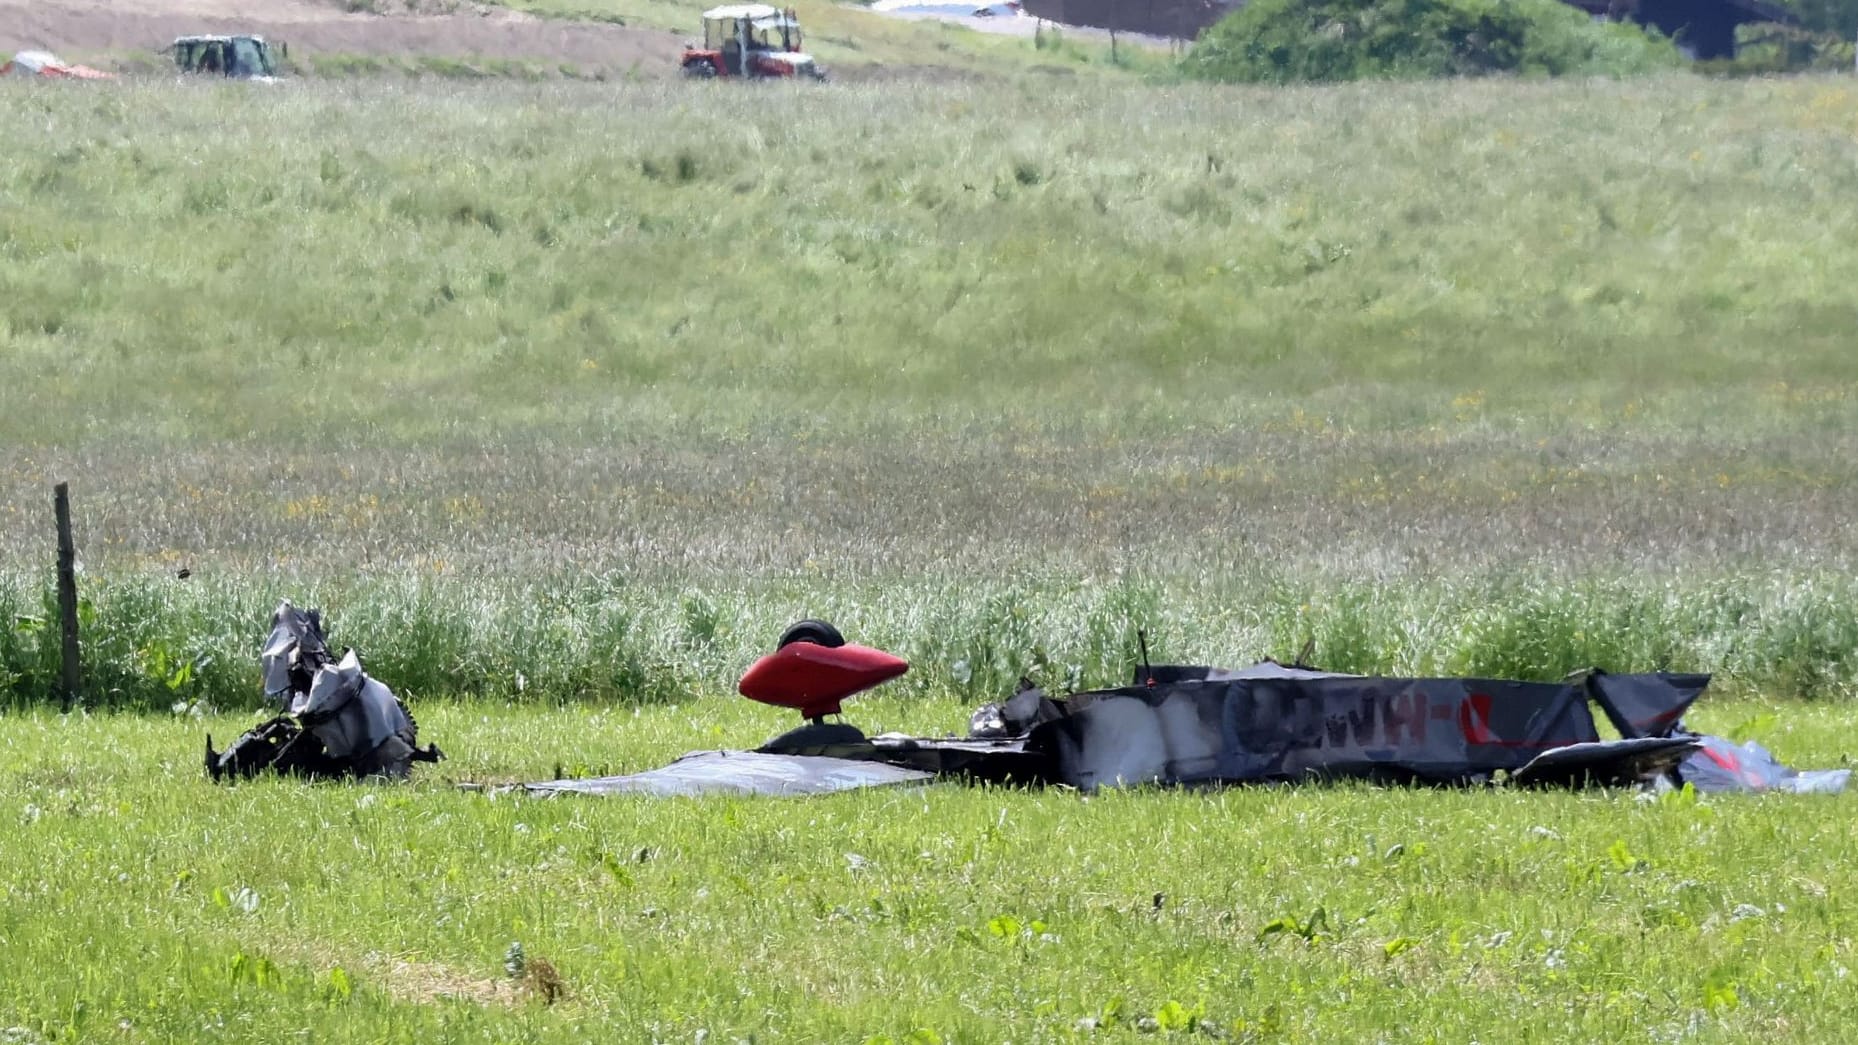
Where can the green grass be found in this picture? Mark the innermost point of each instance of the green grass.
(155, 643)
(173, 910)
(1656, 268)
(341, 66)
(1511, 377)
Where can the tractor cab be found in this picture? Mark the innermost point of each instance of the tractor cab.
(234, 57)
(750, 40)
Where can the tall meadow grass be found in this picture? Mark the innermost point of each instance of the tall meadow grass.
(580, 392)
(154, 644)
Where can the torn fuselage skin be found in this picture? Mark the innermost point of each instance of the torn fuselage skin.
(1189, 725)
(335, 722)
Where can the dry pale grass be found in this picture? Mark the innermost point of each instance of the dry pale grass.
(408, 977)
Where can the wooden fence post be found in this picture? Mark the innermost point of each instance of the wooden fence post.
(67, 594)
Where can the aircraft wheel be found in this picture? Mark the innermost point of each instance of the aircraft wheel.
(817, 632)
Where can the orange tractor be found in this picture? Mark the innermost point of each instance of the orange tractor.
(756, 41)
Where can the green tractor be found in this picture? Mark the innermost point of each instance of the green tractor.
(234, 57)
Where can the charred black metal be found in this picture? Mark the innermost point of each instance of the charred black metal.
(278, 745)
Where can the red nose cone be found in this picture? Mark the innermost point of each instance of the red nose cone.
(813, 679)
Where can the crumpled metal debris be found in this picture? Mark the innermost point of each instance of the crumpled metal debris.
(1723, 765)
(334, 721)
(745, 772)
(1192, 726)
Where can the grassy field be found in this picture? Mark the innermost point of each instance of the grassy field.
(564, 398)
(144, 904)
(1504, 377)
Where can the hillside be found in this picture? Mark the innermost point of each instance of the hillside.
(1459, 361)
(607, 39)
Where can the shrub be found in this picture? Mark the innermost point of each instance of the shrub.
(1766, 48)
(1837, 18)
(1287, 41)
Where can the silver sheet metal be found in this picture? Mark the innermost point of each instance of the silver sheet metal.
(743, 773)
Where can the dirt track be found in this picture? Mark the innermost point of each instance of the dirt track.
(312, 27)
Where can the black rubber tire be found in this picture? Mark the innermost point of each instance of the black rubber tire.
(832, 739)
(817, 632)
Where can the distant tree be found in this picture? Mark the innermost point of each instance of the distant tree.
(1826, 16)
(1283, 41)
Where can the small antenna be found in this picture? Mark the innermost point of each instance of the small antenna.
(1148, 673)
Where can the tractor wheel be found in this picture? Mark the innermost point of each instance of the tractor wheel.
(817, 632)
(700, 71)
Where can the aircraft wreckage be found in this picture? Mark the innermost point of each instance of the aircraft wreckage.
(334, 721)
(1195, 726)
(1174, 725)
